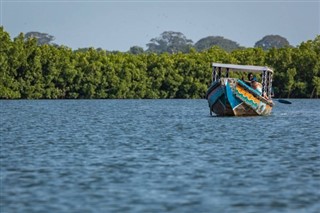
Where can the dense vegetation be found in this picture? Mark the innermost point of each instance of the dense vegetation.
(32, 71)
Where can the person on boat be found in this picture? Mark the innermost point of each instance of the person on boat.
(250, 78)
(258, 86)
(253, 82)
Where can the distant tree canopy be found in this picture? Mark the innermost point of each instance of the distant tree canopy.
(173, 42)
(210, 41)
(136, 50)
(42, 38)
(170, 42)
(32, 71)
(272, 41)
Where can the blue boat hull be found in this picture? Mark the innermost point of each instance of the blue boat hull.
(232, 97)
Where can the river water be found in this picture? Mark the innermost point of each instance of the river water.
(157, 156)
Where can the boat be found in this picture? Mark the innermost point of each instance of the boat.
(232, 96)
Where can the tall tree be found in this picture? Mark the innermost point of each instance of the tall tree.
(272, 41)
(136, 50)
(210, 41)
(171, 42)
(42, 38)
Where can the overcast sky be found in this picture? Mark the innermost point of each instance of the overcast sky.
(119, 25)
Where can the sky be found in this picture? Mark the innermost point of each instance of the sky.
(121, 24)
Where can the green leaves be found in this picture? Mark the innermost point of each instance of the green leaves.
(32, 71)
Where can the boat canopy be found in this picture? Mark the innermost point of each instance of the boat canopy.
(243, 68)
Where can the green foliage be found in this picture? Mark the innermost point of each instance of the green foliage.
(281, 61)
(9, 86)
(316, 84)
(32, 71)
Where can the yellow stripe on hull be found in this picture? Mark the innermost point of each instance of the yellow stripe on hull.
(248, 95)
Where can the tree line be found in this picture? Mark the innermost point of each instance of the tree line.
(32, 71)
(173, 42)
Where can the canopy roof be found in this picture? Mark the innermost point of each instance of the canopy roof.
(243, 68)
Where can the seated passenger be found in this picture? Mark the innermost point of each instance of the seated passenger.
(250, 78)
(258, 86)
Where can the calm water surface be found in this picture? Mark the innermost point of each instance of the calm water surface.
(157, 156)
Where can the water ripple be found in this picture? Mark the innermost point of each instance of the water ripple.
(157, 156)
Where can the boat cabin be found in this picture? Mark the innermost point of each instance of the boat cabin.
(223, 70)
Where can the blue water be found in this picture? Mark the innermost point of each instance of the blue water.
(157, 156)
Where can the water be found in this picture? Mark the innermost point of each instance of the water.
(157, 156)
